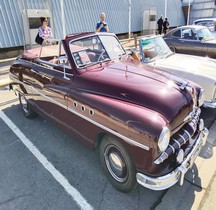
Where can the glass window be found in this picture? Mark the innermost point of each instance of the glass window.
(90, 50)
(153, 49)
(53, 52)
(35, 23)
(177, 34)
(112, 46)
(205, 34)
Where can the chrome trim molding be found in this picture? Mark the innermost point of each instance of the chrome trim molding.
(83, 108)
(75, 104)
(177, 175)
(91, 112)
(173, 149)
(182, 138)
(126, 139)
(189, 136)
(210, 104)
(179, 145)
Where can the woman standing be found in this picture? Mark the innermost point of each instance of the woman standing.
(44, 32)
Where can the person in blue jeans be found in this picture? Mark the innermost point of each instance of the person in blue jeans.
(102, 25)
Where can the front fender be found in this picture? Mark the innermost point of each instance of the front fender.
(137, 125)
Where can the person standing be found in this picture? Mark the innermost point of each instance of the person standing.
(165, 25)
(102, 25)
(160, 24)
(44, 32)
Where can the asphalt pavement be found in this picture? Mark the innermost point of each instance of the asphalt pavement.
(41, 167)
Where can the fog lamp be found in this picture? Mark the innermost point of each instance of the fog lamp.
(180, 156)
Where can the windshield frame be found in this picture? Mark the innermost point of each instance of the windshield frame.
(103, 49)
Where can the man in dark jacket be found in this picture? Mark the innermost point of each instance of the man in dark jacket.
(160, 25)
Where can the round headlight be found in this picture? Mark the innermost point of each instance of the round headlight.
(201, 98)
(164, 139)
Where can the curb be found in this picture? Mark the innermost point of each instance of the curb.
(190, 195)
(7, 60)
(4, 82)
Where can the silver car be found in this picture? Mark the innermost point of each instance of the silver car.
(210, 23)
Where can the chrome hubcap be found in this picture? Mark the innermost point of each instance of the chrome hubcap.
(24, 103)
(115, 163)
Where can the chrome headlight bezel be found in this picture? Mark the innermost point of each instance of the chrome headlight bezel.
(201, 97)
(164, 139)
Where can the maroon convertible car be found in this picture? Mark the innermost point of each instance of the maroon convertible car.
(144, 121)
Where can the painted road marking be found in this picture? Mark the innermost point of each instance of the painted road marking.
(75, 194)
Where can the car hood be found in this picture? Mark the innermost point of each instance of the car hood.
(142, 87)
(201, 70)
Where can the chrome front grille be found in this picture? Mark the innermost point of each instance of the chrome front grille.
(183, 139)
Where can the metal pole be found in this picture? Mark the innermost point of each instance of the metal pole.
(129, 20)
(165, 12)
(188, 17)
(63, 19)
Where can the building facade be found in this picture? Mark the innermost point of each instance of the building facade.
(19, 18)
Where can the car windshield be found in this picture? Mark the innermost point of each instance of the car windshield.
(94, 49)
(153, 48)
(205, 34)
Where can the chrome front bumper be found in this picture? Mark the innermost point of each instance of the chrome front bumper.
(210, 104)
(164, 182)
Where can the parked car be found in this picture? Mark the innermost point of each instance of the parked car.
(145, 124)
(194, 40)
(210, 23)
(155, 52)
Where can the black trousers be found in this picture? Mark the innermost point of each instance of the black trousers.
(159, 30)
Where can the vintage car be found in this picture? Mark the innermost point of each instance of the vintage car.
(155, 52)
(145, 123)
(193, 40)
(210, 23)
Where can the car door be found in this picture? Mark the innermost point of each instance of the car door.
(51, 89)
(52, 81)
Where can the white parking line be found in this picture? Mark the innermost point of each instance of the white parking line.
(75, 194)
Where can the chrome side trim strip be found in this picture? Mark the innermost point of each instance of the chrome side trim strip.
(126, 139)
(177, 143)
(183, 138)
(173, 149)
(187, 133)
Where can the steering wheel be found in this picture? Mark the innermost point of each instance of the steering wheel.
(101, 56)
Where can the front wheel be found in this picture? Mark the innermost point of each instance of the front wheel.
(173, 49)
(117, 164)
(26, 109)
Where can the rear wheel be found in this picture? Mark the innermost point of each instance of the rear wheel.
(26, 109)
(117, 164)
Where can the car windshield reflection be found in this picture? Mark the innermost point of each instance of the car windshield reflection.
(153, 49)
(96, 49)
(205, 34)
